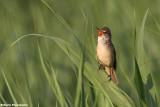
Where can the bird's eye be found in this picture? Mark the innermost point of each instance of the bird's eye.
(104, 31)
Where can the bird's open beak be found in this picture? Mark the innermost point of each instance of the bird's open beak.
(99, 31)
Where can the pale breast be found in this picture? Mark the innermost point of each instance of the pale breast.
(105, 54)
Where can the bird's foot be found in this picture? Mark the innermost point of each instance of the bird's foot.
(109, 78)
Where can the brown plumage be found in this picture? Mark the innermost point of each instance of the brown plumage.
(106, 54)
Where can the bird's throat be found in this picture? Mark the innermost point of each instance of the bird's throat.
(104, 41)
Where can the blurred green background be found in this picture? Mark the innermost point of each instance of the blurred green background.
(54, 64)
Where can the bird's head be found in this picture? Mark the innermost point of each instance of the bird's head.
(104, 33)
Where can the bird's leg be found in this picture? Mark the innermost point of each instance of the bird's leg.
(109, 75)
(109, 78)
(101, 67)
(108, 69)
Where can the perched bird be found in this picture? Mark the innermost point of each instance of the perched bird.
(106, 54)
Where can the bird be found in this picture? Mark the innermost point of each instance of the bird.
(106, 53)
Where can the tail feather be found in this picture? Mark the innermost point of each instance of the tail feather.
(113, 76)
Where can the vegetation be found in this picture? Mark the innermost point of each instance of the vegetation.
(47, 53)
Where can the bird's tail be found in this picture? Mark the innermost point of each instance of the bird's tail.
(113, 76)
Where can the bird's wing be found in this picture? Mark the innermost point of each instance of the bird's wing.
(115, 59)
